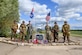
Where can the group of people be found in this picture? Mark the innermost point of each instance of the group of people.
(24, 30)
(55, 30)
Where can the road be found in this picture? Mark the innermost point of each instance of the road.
(7, 49)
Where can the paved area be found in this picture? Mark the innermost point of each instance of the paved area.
(31, 44)
(7, 49)
(31, 49)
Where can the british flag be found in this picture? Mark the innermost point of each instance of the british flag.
(32, 13)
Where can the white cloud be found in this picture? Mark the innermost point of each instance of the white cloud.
(40, 16)
(40, 11)
(58, 19)
(69, 8)
(27, 5)
(21, 19)
(66, 2)
(80, 18)
(66, 9)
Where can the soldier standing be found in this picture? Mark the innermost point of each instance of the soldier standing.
(48, 32)
(66, 31)
(14, 28)
(22, 30)
(55, 30)
(29, 31)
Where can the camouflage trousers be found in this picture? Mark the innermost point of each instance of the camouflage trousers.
(55, 36)
(66, 35)
(28, 36)
(22, 35)
(48, 36)
(13, 35)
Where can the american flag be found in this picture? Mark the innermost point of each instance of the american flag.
(32, 14)
(48, 17)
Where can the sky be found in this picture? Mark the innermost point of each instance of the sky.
(60, 11)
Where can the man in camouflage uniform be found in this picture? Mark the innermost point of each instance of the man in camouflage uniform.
(14, 28)
(66, 31)
(48, 32)
(29, 31)
(22, 30)
(55, 30)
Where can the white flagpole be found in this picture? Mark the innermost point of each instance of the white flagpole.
(34, 21)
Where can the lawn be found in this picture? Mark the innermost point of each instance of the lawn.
(76, 33)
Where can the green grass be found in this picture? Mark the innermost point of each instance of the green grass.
(76, 33)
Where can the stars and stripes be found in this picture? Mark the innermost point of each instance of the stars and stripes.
(48, 17)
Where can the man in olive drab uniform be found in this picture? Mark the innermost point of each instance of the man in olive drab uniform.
(22, 30)
(48, 32)
(55, 30)
(14, 28)
(66, 31)
(29, 31)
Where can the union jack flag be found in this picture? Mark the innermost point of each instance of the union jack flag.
(32, 13)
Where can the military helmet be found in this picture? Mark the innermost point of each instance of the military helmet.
(23, 21)
(29, 21)
(55, 22)
(65, 21)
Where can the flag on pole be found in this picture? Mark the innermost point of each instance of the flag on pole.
(48, 17)
(32, 13)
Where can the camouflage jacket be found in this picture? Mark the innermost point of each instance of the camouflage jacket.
(65, 28)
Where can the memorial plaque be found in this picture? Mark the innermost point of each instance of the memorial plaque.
(39, 37)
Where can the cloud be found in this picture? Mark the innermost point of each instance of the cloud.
(69, 8)
(21, 19)
(72, 3)
(40, 11)
(80, 18)
(58, 19)
(40, 16)
(65, 10)
(27, 5)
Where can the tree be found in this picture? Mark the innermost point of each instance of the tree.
(8, 13)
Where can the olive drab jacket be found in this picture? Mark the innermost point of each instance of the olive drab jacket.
(48, 29)
(23, 28)
(65, 28)
(55, 28)
(29, 29)
(14, 27)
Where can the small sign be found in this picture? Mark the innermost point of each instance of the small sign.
(39, 37)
